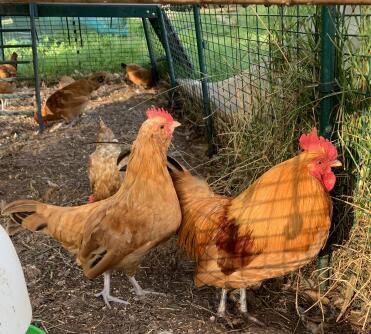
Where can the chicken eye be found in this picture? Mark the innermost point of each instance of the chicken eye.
(319, 162)
(162, 126)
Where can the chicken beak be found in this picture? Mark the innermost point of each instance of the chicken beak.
(336, 163)
(175, 124)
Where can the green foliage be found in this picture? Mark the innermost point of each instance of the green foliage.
(60, 55)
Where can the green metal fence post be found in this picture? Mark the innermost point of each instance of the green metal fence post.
(165, 40)
(2, 39)
(151, 51)
(35, 61)
(205, 92)
(327, 85)
(176, 46)
(327, 82)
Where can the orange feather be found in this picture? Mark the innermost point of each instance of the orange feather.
(275, 226)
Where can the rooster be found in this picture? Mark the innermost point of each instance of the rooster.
(277, 225)
(138, 75)
(8, 71)
(116, 233)
(69, 102)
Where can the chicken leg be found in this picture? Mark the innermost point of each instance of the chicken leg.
(3, 104)
(243, 306)
(105, 293)
(72, 123)
(221, 308)
(138, 289)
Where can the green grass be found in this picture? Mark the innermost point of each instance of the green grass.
(94, 51)
(351, 261)
(62, 52)
(235, 41)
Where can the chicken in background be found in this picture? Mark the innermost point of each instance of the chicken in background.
(64, 81)
(138, 75)
(104, 173)
(8, 71)
(116, 233)
(277, 225)
(69, 102)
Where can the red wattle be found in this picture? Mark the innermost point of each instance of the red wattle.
(329, 180)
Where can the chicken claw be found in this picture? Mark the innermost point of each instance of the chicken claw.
(105, 293)
(138, 289)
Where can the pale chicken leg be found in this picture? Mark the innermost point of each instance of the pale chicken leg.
(138, 289)
(223, 299)
(105, 293)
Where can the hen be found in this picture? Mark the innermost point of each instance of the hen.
(116, 233)
(70, 101)
(108, 164)
(104, 174)
(138, 75)
(277, 225)
(8, 71)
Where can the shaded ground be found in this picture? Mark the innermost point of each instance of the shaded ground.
(53, 167)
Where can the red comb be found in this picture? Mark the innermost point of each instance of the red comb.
(159, 112)
(311, 142)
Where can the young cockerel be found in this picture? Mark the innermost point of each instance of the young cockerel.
(8, 71)
(277, 225)
(69, 102)
(116, 233)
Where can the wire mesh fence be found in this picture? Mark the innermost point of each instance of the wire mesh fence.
(83, 44)
(257, 63)
(258, 77)
(260, 60)
(257, 59)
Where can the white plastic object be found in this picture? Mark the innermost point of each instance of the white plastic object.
(15, 306)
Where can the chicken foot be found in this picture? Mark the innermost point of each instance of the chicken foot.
(105, 293)
(243, 308)
(64, 125)
(71, 124)
(138, 289)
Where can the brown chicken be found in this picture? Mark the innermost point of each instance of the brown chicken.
(116, 233)
(104, 173)
(64, 81)
(108, 164)
(8, 71)
(69, 102)
(277, 225)
(138, 75)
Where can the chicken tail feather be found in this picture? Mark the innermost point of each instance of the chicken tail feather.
(23, 212)
(173, 165)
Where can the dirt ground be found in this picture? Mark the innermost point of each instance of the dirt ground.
(52, 167)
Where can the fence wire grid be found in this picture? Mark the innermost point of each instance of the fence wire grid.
(259, 64)
(83, 44)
